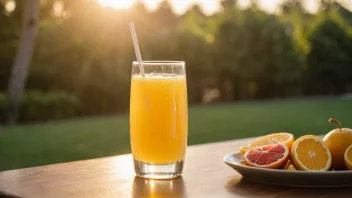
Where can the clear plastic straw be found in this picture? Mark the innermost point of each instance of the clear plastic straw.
(136, 47)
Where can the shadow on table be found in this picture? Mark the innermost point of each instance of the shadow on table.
(4, 195)
(173, 188)
(247, 188)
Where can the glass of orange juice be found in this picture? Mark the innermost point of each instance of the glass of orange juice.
(158, 118)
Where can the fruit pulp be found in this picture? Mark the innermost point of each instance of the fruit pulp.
(269, 156)
(309, 152)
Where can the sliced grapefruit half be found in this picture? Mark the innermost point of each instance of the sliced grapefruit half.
(270, 156)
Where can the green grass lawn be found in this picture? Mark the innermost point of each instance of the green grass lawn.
(40, 144)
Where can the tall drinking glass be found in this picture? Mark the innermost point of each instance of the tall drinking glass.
(158, 118)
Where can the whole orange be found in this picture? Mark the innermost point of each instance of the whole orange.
(338, 140)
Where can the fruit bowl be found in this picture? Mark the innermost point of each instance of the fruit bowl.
(289, 177)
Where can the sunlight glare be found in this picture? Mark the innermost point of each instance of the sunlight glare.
(151, 5)
(122, 167)
(117, 4)
(347, 3)
(209, 7)
(311, 6)
(58, 8)
(243, 4)
(269, 5)
(179, 7)
(10, 6)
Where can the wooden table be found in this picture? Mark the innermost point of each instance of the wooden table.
(205, 175)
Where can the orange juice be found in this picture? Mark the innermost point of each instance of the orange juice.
(158, 118)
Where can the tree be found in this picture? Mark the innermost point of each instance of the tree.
(329, 61)
(333, 6)
(327, 5)
(245, 53)
(228, 4)
(289, 6)
(1, 10)
(164, 15)
(20, 67)
(258, 55)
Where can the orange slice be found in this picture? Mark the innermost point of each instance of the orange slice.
(291, 167)
(348, 158)
(244, 149)
(274, 138)
(309, 152)
(269, 156)
(288, 164)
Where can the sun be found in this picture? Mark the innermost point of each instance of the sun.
(117, 4)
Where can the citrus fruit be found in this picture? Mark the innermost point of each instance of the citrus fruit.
(309, 152)
(348, 157)
(288, 163)
(291, 167)
(244, 149)
(269, 156)
(274, 138)
(338, 140)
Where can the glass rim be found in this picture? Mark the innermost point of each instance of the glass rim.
(159, 62)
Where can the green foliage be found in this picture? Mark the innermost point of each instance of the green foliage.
(104, 92)
(36, 106)
(86, 49)
(39, 106)
(3, 107)
(258, 49)
(330, 57)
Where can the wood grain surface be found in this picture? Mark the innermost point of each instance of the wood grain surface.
(205, 175)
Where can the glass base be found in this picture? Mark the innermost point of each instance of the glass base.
(158, 171)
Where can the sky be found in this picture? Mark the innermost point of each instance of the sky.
(212, 6)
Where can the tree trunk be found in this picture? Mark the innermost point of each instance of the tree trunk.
(2, 9)
(19, 70)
